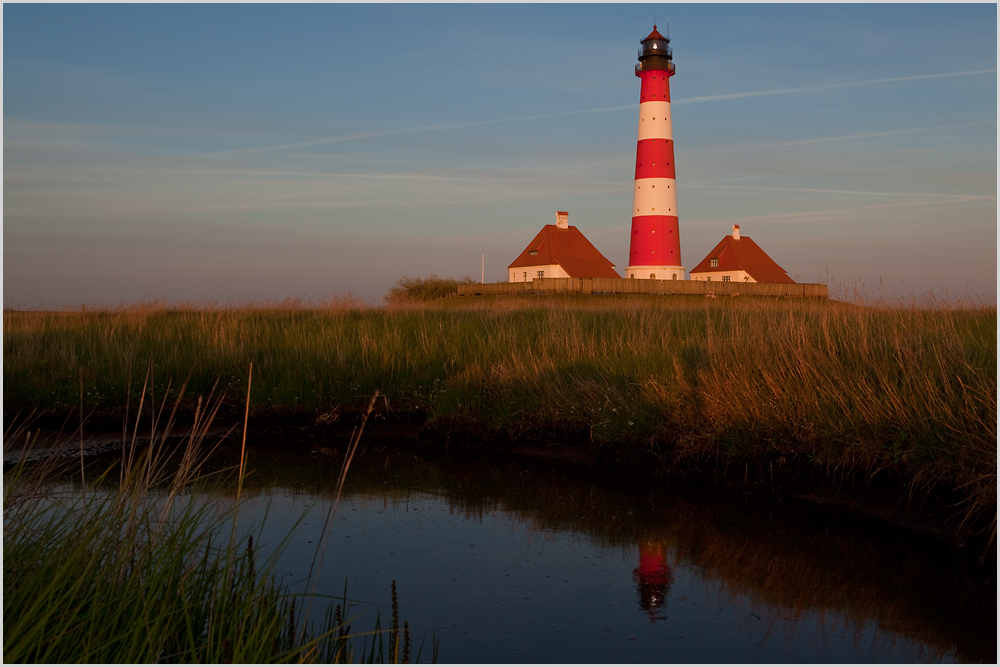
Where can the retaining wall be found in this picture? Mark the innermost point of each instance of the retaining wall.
(629, 286)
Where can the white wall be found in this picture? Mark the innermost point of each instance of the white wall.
(655, 272)
(550, 270)
(734, 276)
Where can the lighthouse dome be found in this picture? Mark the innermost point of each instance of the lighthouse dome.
(655, 52)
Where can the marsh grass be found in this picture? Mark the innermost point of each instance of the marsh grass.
(149, 571)
(861, 389)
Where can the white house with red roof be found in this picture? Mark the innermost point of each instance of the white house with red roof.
(739, 259)
(560, 251)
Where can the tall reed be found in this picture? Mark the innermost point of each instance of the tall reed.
(149, 572)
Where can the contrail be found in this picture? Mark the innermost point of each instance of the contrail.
(690, 100)
(847, 137)
(420, 128)
(826, 86)
(513, 119)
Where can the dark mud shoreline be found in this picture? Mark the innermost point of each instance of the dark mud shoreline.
(879, 497)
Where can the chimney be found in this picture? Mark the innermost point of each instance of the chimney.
(736, 232)
(562, 219)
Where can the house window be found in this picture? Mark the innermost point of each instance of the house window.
(725, 279)
(652, 275)
(525, 276)
(714, 262)
(709, 278)
(673, 276)
(541, 274)
(532, 252)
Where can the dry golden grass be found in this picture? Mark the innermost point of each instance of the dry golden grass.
(856, 388)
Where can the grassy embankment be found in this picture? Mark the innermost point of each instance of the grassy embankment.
(149, 571)
(737, 382)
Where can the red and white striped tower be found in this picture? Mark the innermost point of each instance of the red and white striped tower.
(655, 250)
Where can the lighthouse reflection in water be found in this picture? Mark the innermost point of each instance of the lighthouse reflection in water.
(653, 578)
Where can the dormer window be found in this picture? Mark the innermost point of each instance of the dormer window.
(532, 252)
(714, 262)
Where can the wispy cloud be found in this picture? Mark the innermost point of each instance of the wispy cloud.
(850, 137)
(690, 100)
(826, 86)
(864, 193)
(437, 127)
(421, 128)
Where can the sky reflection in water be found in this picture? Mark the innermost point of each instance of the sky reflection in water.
(498, 581)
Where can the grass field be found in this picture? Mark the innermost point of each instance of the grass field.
(850, 388)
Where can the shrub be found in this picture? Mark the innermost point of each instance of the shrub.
(425, 289)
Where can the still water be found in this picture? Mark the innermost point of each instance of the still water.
(509, 560)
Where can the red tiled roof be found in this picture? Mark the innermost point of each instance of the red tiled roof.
(743, 254)
(568, 248)
(655, 34)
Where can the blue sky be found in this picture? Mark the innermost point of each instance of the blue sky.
(231, 152)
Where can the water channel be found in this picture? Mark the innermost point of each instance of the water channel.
(515, 560)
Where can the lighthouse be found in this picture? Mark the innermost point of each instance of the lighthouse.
(655, 248)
